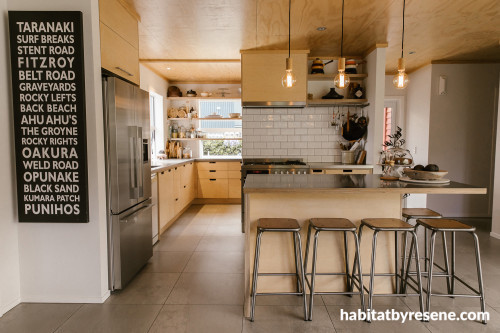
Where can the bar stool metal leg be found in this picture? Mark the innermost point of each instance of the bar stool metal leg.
(302, 272)
(372, 270)
(356, 257)
(357, 263)
(396, 261)
(452, 262)
(419, 273)
(405, 236)
(308, 241)
(431, 264)
(446, 264)
(313, 272)
(479, 273)
(346, 255)
(255, 274)
(296, 263)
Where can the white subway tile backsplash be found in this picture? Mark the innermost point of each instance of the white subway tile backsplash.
(299, 132)
(287, 131)
(273, 145)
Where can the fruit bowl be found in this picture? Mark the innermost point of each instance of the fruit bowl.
(424, 175)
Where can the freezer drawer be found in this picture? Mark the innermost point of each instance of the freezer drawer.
(131, 248)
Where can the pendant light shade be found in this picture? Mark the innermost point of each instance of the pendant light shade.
(288, 80)
(341, 80)
(400, 80)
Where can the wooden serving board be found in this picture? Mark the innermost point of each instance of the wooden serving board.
(435, 181)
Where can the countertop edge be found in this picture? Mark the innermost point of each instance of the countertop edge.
(328, 166)
(426, 190)
(181, 162)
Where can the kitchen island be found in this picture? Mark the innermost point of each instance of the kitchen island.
(314, 196)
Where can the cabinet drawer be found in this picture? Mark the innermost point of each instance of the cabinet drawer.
(348, 171)
(212, 166)
(234, 166)
(118, 56)
(213, 188)
(212, 174)
(118, 19)
(234, 174)
(234, 188)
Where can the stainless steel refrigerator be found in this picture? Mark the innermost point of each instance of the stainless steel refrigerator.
(128, 176)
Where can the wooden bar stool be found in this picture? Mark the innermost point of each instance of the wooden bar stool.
(336, 225)
(453, 226)
(421, 213)
(279, 225)
(389, 225)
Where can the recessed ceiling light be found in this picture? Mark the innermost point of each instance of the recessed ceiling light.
(321, 28)
(168, 68)
(412, 52)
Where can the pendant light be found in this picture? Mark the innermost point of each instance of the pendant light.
(341, 79)
(288, 80)
(400, 80)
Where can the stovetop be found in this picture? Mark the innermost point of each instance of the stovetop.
(273, 162)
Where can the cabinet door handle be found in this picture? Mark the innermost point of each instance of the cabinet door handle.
(175, 168)
(124, 71)
(184, 186)
(347, 170)
(162, 172)
(212, 162)
(212, 180)
(212, 171)
(169, 170)
(176, 199)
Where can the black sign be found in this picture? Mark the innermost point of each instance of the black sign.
(48, 87)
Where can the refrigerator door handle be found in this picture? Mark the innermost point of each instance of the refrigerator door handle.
(140, 169)
(133, 158)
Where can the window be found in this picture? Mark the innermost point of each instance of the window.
(156, 117)
(228, 131)
(388, 119)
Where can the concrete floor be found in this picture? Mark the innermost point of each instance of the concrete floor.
(194, 283)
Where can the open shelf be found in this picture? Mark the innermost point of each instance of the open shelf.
(204, 139)
(204, 118)
(192, 98)
(330, 77)
(334, 102)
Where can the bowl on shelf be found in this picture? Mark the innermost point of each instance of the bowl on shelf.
(234, 115)
(424, 175)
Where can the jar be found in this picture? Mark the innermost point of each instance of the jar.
(175, 133)
(187, 153)
(182, 133)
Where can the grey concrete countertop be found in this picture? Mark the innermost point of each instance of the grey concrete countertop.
(325, 165)
(162, 165)
(349, 184)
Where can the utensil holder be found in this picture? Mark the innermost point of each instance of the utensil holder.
(348, 156)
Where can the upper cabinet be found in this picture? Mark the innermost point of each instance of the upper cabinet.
(261, 73)
(119, 39)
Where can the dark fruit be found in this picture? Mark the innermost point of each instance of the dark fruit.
(419, 167)
(431, 167)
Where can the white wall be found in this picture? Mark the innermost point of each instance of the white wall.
(462, 132)
(416, 131)
(64, 262)
(150, 81)
(10, 291)
(375, 92)
(495, 223)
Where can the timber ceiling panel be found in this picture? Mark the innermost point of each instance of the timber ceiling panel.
(436, 30)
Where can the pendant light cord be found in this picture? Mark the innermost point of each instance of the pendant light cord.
(342, 37)
(289, 11)
(403, 37)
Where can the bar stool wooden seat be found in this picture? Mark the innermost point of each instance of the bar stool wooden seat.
(390, 225)
(420, 213)
(332, 225)
(279, 225)
(453, 226)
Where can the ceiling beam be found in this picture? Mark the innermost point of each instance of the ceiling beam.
(191, 60)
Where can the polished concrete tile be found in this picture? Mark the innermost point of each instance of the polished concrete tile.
(288, 319)
(167, 262)
(220, 262)
(208, 288)
(221, 243)
(178, 243)
(286, 300)
(187, 230)
(446, 326)
(111, 318)
(224, 230)
(198, 319)
(146, 288)
(40, 318)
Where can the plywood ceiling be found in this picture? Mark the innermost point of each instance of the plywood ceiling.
(435, 30)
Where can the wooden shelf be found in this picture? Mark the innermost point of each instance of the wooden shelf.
(193, 98)
(204, 139)
(330, 77)
(335, 102)
(204, 118)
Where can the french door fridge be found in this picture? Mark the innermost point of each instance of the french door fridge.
(128, 177)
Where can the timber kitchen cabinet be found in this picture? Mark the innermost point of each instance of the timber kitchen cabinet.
(219, 180)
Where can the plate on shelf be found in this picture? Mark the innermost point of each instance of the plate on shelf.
(214, 116)
(418, 181)
(181, 114)
(172, 113)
